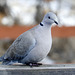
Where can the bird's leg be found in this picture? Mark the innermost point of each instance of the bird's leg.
(37, 64)
(34, 64)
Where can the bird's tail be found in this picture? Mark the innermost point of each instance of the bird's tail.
(1, 58)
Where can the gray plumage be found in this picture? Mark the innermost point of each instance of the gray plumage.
(33, 45)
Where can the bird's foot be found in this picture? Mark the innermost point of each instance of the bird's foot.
(34, 64)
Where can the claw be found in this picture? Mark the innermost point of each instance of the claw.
(34, 64)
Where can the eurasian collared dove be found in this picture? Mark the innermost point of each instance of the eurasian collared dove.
(33, 45)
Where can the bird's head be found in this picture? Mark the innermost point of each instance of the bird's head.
(50, 18)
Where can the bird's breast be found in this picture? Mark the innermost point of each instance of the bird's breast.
(43, 46)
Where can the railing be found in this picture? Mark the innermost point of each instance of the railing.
(63, 69)
(15, 31)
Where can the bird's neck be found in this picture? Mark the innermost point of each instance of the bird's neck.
(45, 25)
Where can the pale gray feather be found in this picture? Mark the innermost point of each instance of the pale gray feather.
(20, 47)
(33, 45)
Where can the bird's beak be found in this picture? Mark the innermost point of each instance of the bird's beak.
(56, 22)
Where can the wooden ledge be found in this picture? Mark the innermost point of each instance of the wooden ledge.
(57, 69)
(15, 31)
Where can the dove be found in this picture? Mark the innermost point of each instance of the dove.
(33, 45)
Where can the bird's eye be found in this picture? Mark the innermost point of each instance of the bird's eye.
(49, 17)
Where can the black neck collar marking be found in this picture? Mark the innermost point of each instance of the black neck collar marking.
(41, 24)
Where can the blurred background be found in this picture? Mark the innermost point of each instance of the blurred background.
(17, 16)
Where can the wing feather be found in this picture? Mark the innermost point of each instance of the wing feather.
(21, 46)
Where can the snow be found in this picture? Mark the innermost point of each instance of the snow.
(22, 10)
(25, 11)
